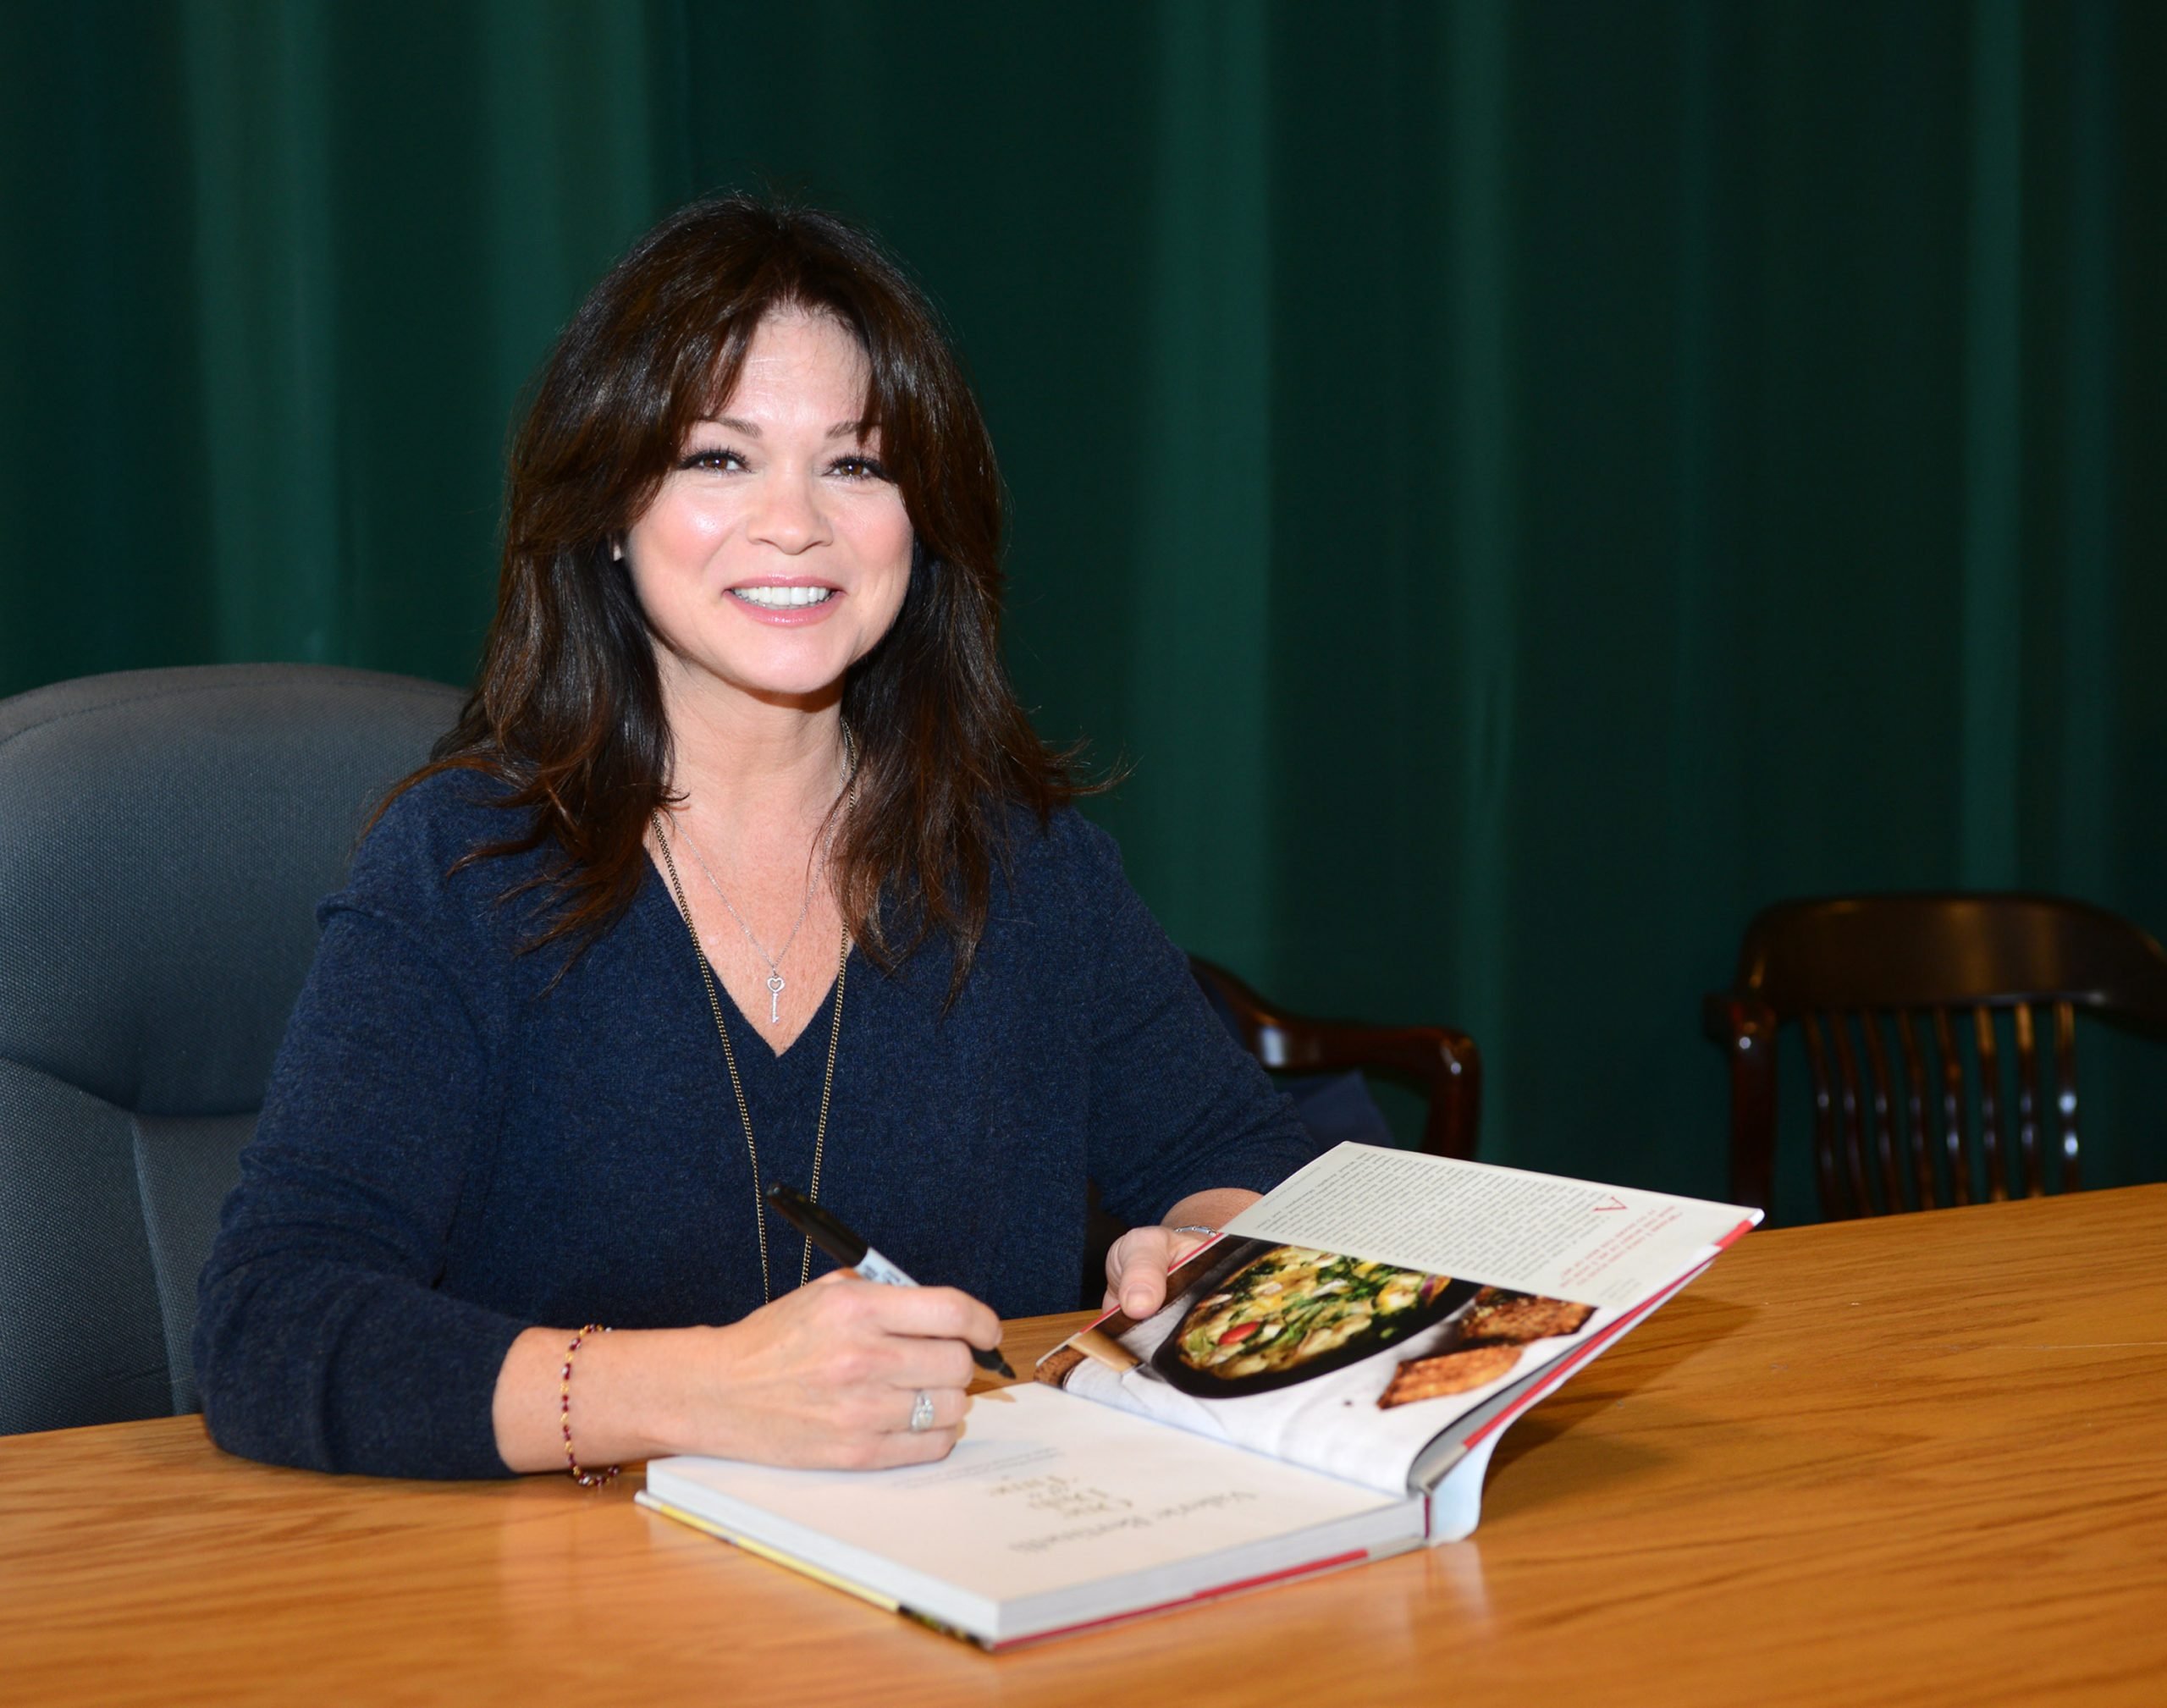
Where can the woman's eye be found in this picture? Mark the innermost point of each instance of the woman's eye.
(861, 468)
(719, 457)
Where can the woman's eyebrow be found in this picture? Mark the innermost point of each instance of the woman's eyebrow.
(738, 424)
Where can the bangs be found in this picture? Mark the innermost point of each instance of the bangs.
(709, 395)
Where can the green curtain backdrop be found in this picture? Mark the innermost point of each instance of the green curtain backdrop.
(1523, 484)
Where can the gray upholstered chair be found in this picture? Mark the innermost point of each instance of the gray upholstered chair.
(165, 836)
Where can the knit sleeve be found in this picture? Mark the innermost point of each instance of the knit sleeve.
(321, 1339)
(1177, 1106)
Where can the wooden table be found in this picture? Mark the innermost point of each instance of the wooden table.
(1921, 1460)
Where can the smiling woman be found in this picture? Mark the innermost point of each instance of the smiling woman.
(742, 764)
(776, 553)
(760, 390)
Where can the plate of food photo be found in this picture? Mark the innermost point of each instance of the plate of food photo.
(1293, 1312)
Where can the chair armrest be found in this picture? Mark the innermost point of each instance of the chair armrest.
(1445, 1063)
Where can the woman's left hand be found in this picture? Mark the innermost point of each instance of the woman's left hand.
(1138, 1262)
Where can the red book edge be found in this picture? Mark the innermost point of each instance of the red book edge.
(1354, 1557)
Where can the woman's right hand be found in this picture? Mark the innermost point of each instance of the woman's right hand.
(827, 1375)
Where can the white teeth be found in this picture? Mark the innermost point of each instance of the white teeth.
(782, 598)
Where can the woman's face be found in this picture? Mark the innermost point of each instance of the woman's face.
(777, 552)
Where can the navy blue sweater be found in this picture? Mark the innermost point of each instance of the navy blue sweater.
(451, 1150)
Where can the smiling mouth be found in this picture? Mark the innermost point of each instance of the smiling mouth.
(782, 598)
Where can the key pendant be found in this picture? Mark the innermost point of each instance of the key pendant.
(774, 999)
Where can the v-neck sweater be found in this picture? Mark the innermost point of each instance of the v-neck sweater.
(462, 1137)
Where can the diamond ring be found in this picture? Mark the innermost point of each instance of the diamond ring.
(921, 1412)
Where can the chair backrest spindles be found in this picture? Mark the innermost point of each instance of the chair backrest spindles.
(1885, 1113)
(2065, 1092)
(1915, 1108)
(2027, 1102)
(1965, 1124)
(1982, 1034)
(1847, 1069)
(1824, 1109)
(1955, 1119)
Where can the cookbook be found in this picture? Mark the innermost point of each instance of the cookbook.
(1323, 1386)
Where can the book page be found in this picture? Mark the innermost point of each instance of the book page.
(1537, 1233)
(1040, 1497)
(1355, 1316)
(1359, 1412)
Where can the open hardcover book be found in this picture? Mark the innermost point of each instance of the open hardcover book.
(1324, 1386)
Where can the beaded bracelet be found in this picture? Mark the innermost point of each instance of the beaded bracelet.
(585, 1479)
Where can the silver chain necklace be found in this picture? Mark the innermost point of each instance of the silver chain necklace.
(776, 983)
(730, 1055)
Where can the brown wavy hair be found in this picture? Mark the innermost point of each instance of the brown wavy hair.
(567, 710)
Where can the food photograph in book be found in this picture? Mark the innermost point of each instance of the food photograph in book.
(1331, 1360)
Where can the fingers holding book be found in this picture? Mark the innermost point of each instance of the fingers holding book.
(1137, 1265)
(1139, 1262)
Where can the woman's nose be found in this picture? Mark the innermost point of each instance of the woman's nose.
(789, 516)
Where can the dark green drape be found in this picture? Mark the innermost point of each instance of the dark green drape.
(1525, 484)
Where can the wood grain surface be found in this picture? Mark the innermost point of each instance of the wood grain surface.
(1918, 1460)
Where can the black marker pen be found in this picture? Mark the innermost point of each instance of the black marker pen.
(824, 1230)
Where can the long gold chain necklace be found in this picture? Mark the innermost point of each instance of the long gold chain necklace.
(730, 1055)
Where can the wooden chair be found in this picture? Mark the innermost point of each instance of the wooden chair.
(1443, 1063)
(1894, 1128)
